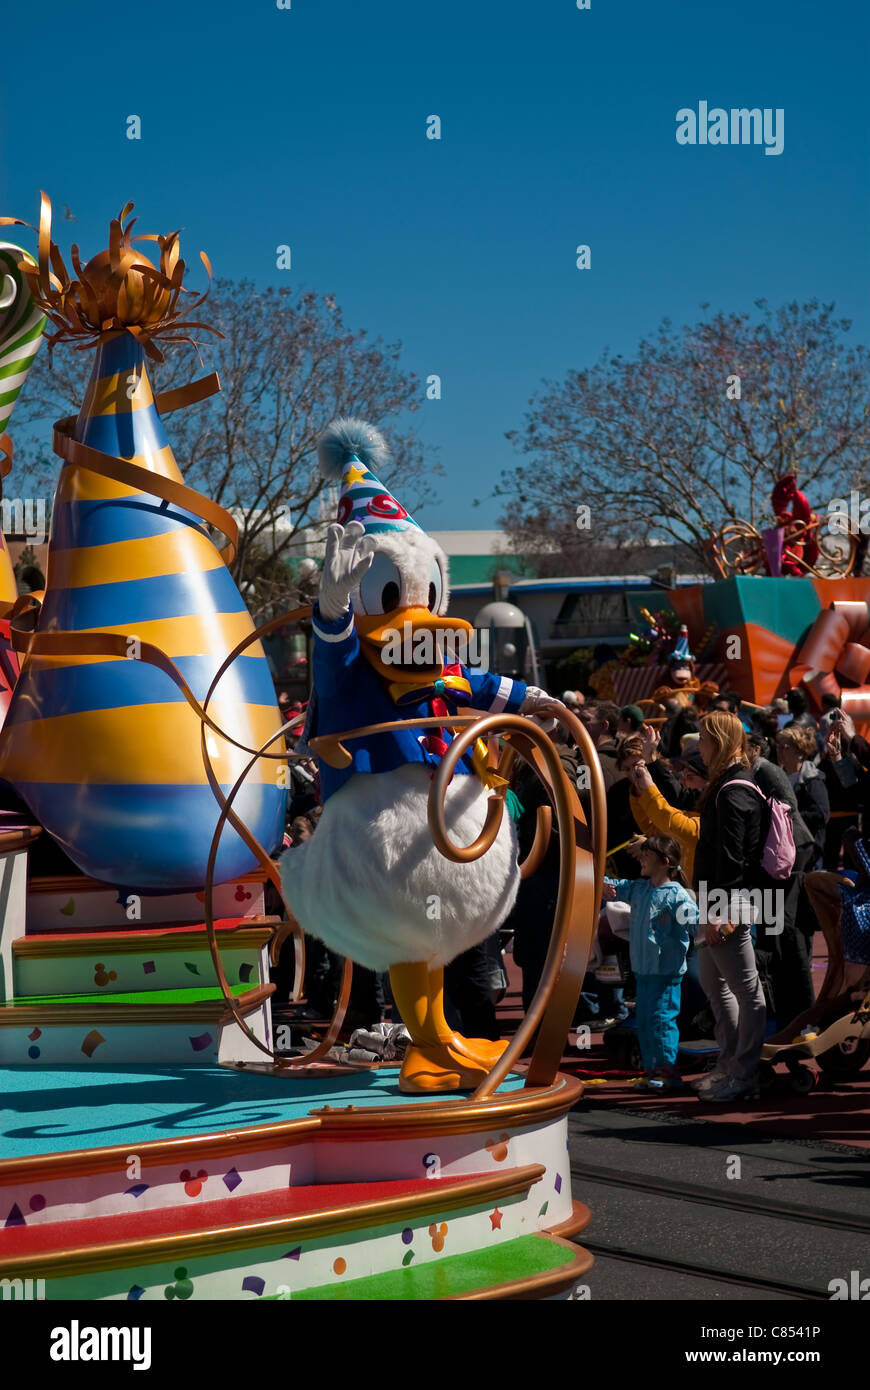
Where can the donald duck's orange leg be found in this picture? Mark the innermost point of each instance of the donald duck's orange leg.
(437, 1059)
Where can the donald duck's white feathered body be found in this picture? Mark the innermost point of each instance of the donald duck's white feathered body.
(370, 883)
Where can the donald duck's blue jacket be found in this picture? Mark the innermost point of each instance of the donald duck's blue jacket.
(351, 694)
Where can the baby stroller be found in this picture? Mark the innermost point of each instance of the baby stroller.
(836, 1029)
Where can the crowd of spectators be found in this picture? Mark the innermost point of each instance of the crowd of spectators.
(689, 807)
(690, 799)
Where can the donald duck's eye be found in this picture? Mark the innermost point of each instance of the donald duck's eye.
(436, 587)
(381, 587)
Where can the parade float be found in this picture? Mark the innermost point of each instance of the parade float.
(155, 1143)
(787, 605)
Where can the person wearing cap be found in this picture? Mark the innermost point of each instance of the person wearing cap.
(630, 719)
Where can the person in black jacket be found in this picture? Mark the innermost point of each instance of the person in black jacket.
(795, 748)
(732, 832)
(791, 959)
(844, 780)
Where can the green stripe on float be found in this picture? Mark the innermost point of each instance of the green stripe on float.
(144, 996)
(522, 1258)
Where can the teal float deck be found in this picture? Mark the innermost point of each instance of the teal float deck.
(57, 1109)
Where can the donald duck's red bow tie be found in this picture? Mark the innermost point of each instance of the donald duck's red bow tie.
(454, 685)
(450, 683)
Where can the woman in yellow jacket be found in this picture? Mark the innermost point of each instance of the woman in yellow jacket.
(656, 816)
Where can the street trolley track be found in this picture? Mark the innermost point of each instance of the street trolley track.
(717, 1197)
(716, 1276)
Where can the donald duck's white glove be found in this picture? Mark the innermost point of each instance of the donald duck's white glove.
(348, 557)
(541, 706)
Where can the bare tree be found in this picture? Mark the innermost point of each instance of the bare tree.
(287, 365)
(694, 430)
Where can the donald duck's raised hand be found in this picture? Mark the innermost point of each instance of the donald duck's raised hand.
(348, 557)
(541, 706)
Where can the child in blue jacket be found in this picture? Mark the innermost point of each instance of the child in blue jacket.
(663, 918)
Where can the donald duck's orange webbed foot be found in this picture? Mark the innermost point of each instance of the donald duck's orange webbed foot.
(481, 1050)
(437, 1059)
(439, 1067)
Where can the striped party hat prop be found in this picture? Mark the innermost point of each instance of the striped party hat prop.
(21, 326)
(105, 751)
(348, 451)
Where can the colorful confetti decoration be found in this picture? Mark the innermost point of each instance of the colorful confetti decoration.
(34, 1052)
(37, 1202)
(136, 1190)
(182, 1288)
(252, 1283)
(439, 1235)
(70, 908)
(232, 1179)
(495, 1219)
(407, 1236)
(135, 1293)
(294, 1254)
(92, 1042)
(339, 1266)
(407, 1257)
(558, 1183)
(16, 1216)
(37, 1033)
(193, 1182)
(189, 965)
(200, 1043)
(499, 1148)
(148, 967)
(543, 1211)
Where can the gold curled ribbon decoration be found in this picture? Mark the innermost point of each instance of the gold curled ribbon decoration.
(142, 479)
(6, 452)
(126, 294)
(107, 644)
(28, 642)
(838, 645)
(581, 862)
(581, 868)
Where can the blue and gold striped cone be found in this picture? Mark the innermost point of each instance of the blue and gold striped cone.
(107, 752)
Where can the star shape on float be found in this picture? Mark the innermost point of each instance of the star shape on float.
(354, 474)
(496, 1219)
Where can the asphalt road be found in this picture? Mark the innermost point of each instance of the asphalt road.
(677, 1202)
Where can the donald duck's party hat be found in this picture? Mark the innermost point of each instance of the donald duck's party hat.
(346, 450)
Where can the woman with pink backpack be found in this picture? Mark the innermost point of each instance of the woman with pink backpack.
(741, 852)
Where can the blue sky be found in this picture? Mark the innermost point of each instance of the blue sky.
(307, 126)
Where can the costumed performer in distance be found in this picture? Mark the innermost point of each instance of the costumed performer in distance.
(370, 883)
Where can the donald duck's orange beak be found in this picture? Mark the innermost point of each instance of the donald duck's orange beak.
(389, 642)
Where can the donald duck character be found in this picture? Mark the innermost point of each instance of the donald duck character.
(370, 883)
